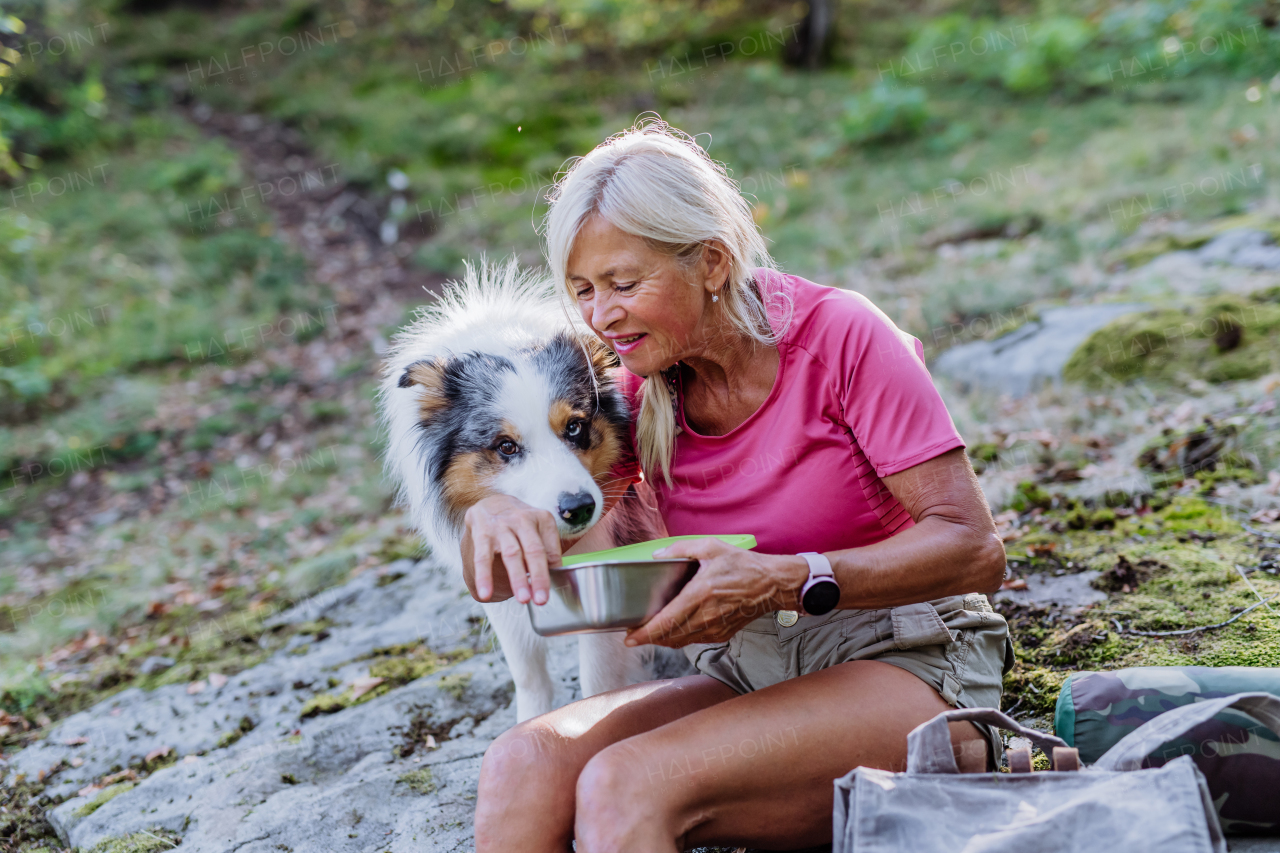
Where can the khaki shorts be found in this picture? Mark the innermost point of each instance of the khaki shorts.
(957, 645)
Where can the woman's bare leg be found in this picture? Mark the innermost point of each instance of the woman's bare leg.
(757, 770)
(525, 800)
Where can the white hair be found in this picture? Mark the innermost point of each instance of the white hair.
(656, 182)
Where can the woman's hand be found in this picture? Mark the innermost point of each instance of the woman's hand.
(732, 587)
(523, 539)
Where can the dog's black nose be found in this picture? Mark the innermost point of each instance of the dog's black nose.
(576, 508)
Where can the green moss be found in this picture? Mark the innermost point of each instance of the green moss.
(456, 685)
(324, 703)
(1030, 495)
(1167, 570)
(403, 663)
(149, 841)
(103, 797)
(1191, 513)
(983, 455)
(1228, 473)
(420, 781)
(1220, 339)
(1099, 519)
(1036, 687)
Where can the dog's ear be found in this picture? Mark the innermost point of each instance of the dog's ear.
(602, 358)
(429, 376)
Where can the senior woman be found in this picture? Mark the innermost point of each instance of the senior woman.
(766, 405)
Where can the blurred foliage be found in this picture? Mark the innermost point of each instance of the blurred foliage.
(885, 114)
(11, 26)
(476, 106)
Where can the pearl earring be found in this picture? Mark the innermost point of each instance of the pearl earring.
(715, 297)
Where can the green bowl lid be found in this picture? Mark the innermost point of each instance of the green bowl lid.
(644, 550)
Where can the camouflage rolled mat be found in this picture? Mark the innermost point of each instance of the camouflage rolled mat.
(1239, 756)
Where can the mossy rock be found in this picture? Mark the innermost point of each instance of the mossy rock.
(325, 703)
(1148, 250)
(151, 841)
(406, 662)
(103, 797)
(456, 685)
(1221, 339)
(420, 781)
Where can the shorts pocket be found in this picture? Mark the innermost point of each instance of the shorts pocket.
(919, 625)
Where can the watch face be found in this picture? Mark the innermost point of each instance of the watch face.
(822, 597)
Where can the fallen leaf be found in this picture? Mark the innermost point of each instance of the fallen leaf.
(1266, 516)
(75, 741)
(115, 712)
(122, 776)
(431, 741)
(217, 679)
(363, 685)
(190, 759)
(88, 790)
(1014, 583)
(158, 752)
(77, 761)
(195, 687)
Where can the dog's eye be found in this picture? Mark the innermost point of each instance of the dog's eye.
(575, 429)
(507, 447)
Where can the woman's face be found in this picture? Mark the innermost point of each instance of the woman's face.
(640, 301)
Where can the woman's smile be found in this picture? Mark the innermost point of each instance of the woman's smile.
(628, 344)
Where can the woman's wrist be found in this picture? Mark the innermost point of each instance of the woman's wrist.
(792, 572)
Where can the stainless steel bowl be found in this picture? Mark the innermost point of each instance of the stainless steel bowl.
(608, 596)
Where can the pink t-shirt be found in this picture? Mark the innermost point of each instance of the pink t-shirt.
(852, 403)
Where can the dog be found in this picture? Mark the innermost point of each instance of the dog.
(497, 388)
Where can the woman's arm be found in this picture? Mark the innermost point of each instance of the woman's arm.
(516, 540)
(952, 549)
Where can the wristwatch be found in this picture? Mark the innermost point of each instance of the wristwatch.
(820, 593)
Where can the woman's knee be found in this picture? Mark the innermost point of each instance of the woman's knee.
(527, 752)
(615, 776)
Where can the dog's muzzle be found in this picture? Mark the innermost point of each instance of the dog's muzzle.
(576, 509)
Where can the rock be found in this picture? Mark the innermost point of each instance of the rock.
(155, 664)
(337, 783)
(1241, 247)
(1028, 357)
